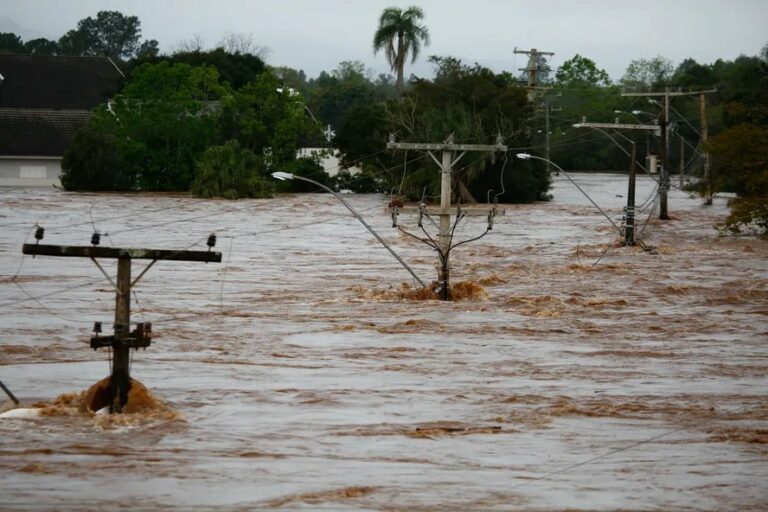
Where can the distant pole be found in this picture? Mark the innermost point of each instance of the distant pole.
(682, 161)
(664, 181)
(546, 126)
(664, 178)
(704, 136)
(629, 232)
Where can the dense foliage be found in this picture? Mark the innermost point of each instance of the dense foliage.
(160, 126)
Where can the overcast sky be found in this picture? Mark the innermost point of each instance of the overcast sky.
(315, 35)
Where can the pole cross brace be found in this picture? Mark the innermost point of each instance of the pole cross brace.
(477, 211)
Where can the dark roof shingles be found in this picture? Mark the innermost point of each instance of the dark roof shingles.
(47, 82)
(39, 132)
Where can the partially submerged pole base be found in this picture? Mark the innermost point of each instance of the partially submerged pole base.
(106, 392)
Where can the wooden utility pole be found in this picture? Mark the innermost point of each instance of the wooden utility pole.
(447, 163)
(123, 339)
(629, 231)
(664, 179)
(705, 153)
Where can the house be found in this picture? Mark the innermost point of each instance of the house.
(44, 101)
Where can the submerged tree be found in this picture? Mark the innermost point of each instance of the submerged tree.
(400, 34)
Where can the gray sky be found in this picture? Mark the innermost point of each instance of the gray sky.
(315, 35)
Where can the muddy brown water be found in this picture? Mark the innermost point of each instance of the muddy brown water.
(302, 372)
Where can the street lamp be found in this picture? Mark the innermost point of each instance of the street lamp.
(528, 156)
(286, 176)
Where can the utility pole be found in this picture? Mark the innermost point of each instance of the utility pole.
(532, 69)
(451, 154)
(664, 179)
(123, 339)
(705, 154)
(629, 231)
(547, 109)
(682, 160)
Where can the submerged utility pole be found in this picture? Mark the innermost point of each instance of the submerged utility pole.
(629, 231)
(123, 339)
(448, 160)
(664, 179)
(705, 153)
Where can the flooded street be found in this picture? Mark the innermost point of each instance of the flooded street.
(294, 375)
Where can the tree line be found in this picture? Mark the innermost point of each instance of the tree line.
(218, 120)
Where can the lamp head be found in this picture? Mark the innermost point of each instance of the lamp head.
(282, 176)
(636, 112)
(577, 125)
(523, 156)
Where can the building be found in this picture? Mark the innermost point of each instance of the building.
(44, 101)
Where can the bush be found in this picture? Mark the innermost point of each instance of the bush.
(231, 172)
(93, 162)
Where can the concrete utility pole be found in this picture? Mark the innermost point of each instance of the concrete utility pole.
(447, 162)
(533, 64)
(705, 154)
(629, 231)
(682, 161)
(123, 339)
(664, 179)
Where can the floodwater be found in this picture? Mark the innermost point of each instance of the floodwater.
(296, 374)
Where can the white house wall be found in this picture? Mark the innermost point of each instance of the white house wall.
(30, 172)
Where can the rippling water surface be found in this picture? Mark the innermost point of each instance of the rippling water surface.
(295, 375)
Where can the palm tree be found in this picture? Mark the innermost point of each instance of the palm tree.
(399, 34)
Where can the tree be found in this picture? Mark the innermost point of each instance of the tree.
(580, 71)
(148, 49)
(235, 69)
(243, 44)
(158, 126)
(400, 34)
(473, 104)
(11, 43)
(110, 34)
(268, 120)
(740, 164)
(94, 161)
(647, 73)
(232, 172)
(41, 46)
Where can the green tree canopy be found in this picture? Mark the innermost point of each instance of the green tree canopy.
(647, 73)
(11, 43)
(580, 71)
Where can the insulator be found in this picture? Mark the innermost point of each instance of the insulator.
(490, 220)
(97, 327)
(394, 217)
(211, 240)
(39, 233)
(95, 238)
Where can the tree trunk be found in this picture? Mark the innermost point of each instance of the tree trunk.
(400, 63)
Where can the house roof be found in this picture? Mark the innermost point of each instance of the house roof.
(39, 132)
(52, 82)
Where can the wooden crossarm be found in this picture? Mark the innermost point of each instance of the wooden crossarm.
(91, 251)
(433, 210)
